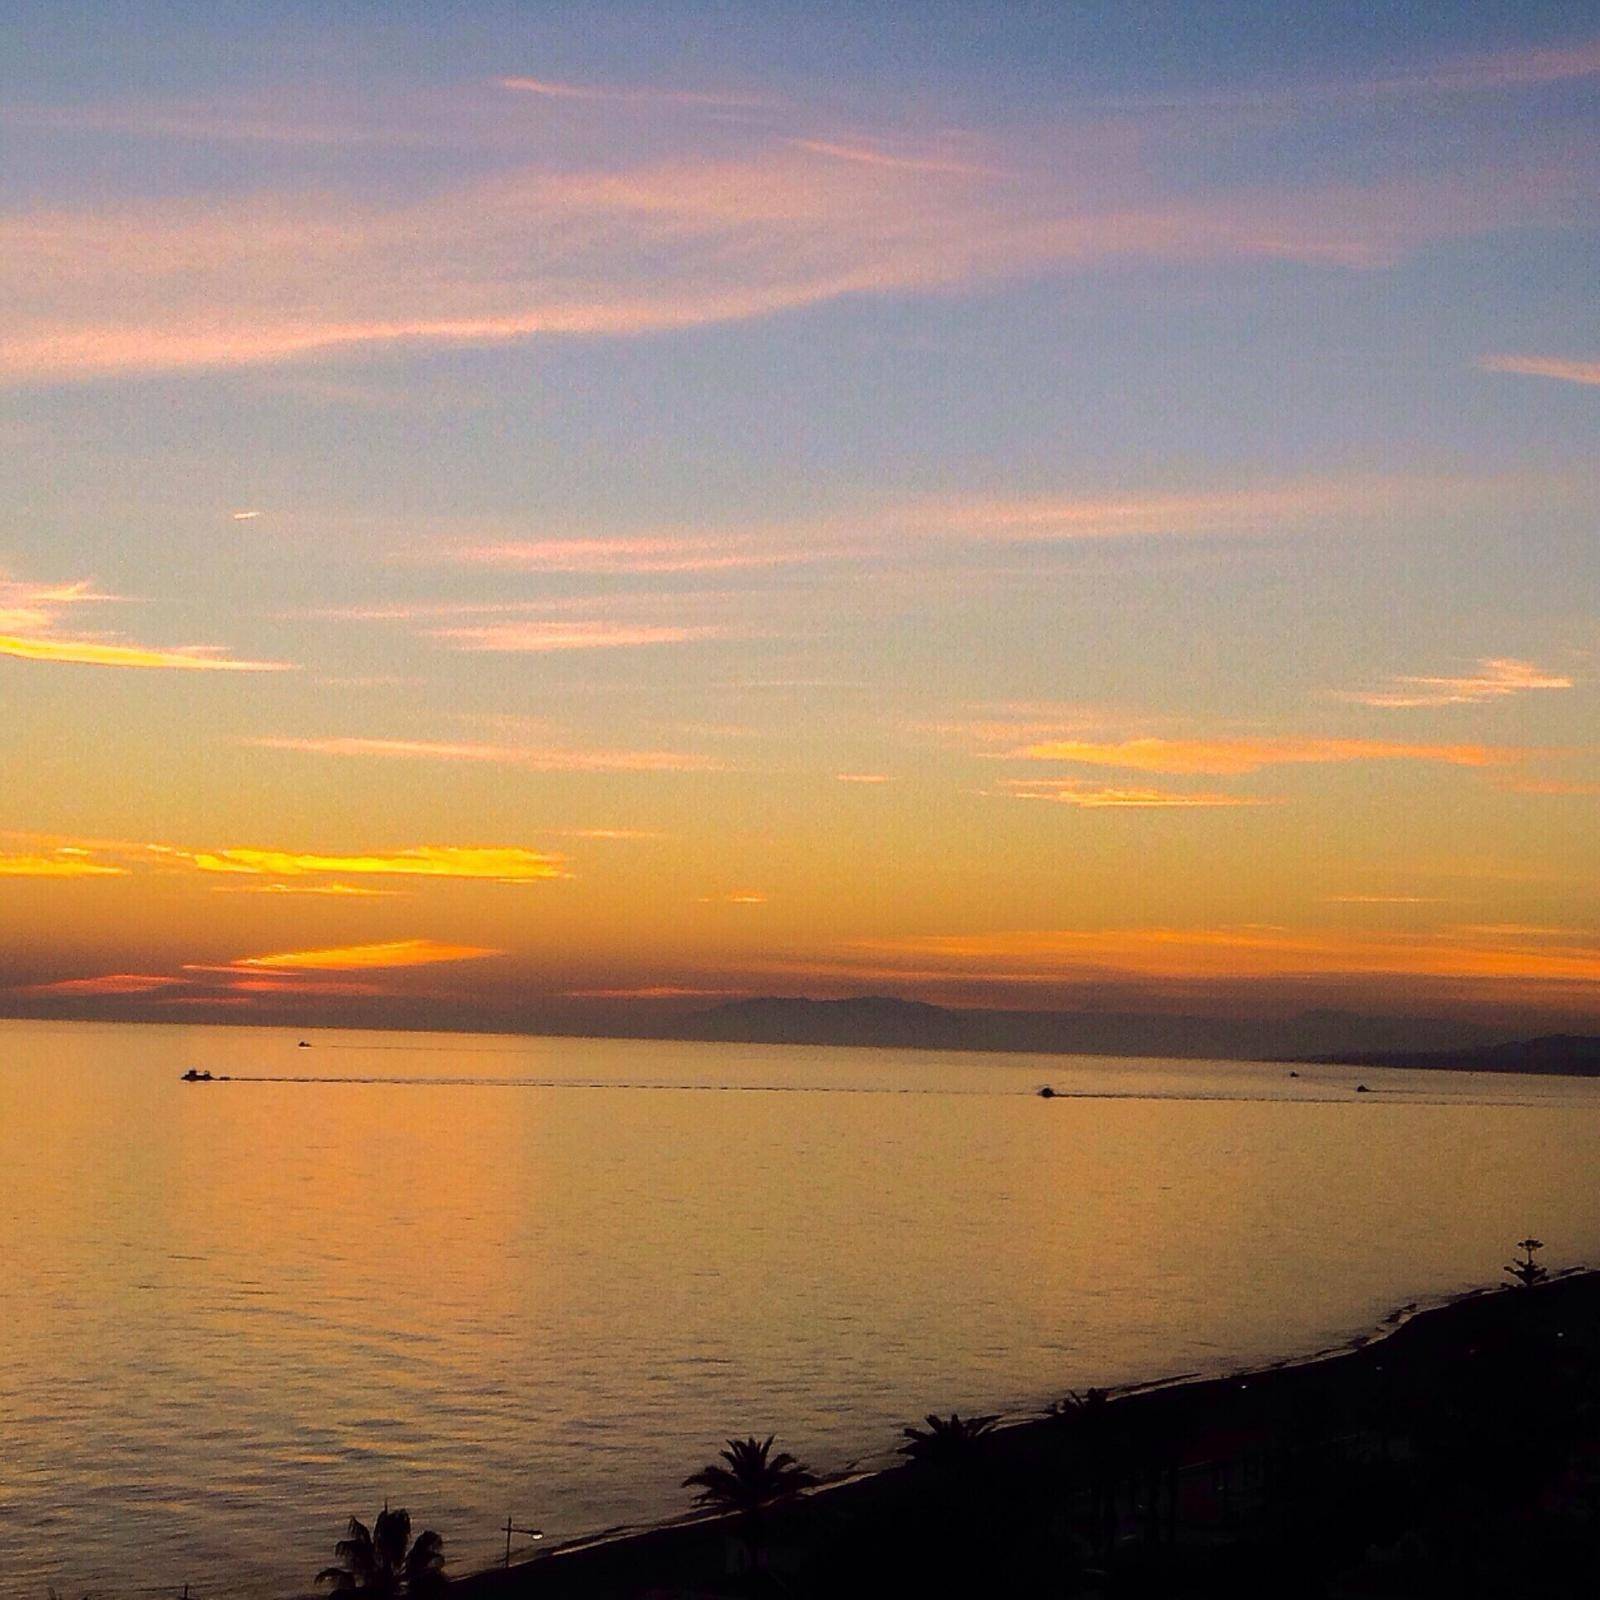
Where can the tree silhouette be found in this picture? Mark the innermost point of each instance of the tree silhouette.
(947, 1442)
(752, 1478)
(1527, 1271)
(383, 1559)
(748, 1480)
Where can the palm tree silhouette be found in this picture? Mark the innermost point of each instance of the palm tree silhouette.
(753, 1477)
(383, 1559)
(1527, 1271)
(947, 1442)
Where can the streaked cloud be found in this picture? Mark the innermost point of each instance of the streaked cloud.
(533, 758)
(1384, 900)
(1496, 678)
(498, 865)
(1567, 371)
(684, 242)
(737, 897)
(336, 891)
(95, 653)
(542, 638)
(62, 864)
(1250, 509)
(862, 777)
(1232, 756)
(1095, 797)
(1250, 950)
(646, 553)
(113, 983)
(646, 97)
(363, 957)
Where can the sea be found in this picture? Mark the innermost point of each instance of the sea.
(540, 1281)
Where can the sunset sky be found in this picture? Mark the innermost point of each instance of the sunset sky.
(522, 513)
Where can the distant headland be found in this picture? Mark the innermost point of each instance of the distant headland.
(1571, 1054)
(1335, 1037)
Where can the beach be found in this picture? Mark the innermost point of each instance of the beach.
(1453, 1452)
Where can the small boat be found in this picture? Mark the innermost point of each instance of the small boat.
(195, 1076)
(1361, 1088)
(303, 1045)
(1047, 1093)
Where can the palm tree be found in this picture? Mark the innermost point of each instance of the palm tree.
(384, 1560)
(947, 1442)
(752, 1479)
(1527, 1271)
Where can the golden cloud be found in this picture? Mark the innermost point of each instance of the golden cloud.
(1092, 797)
(95, 653)
(534, 759)
(1233, 756)
(496, 864)
(65, 864)
(366, 957)
(1496, 679)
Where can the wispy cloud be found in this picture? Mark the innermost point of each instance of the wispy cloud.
(646, 97)
(543, 638)
(1096, 797)
(1384, 900)
(497, 865)
(1496, 678)
(364, 957)
(1249, 950)
(1484, 73)
(112, 983)
(1241, 510)
(334, 891)
(94, 653)
(646, 554)
(675, 244)
(1231, 756)
(533, 758)
(1568, 371)
(31, 614)
(65, 863)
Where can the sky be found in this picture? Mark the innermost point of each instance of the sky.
(534, 515)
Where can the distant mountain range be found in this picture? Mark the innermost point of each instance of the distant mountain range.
(915, 1025)
(1573, 1054)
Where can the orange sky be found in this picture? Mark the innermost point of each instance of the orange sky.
(498, 545)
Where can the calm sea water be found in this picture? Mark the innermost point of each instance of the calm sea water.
(545, 1278)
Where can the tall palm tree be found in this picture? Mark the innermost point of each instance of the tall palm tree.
(749, 1479)
(384, 1560)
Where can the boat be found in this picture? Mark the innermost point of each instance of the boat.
(193, 1075)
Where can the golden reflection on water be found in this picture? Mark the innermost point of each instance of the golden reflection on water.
(235, 1313)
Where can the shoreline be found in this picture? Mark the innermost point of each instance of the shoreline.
(1190, 1423)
